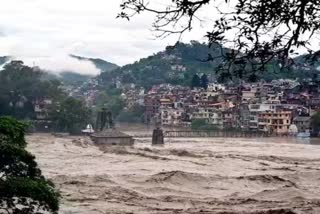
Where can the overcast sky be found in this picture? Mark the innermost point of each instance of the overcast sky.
(45, 32)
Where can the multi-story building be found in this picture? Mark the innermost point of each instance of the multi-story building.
(244, 116)
(248, 93)
(262, 106)
(302, 123)
(276, 122)
(274, 98)
(231, 118)
(152, 106)
(42, 122)
(212, 115)
(133, 97)
(41, 108)
(254, 110)
(213, 87)
(208, 95)
(166, 103)
(172, 117)
(314, 102)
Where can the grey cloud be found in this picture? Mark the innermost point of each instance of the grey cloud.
(46, 32)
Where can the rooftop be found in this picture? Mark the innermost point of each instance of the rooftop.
(111, 133)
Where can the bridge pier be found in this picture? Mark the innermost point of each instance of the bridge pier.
(157, 137)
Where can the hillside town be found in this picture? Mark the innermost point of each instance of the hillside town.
(280, 107)
(269, 107)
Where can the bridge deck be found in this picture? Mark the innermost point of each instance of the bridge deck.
(207, 134)
(199, 134)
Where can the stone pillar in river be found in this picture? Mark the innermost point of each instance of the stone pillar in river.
(157, 137)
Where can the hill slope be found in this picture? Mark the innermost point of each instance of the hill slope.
(72, 78)
(101, 64)
(175, 65)
(4, 59)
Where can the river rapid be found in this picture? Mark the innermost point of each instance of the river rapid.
(199, 175)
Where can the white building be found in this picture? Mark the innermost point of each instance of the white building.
(211, 115)
(254, 110)
(171, 116)
(214, 87)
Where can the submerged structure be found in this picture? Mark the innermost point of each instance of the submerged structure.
(157, 137)
(112, 137)
(108, 135)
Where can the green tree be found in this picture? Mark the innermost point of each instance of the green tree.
(132, 115)
(12, 131)
(246, 21)
(195, 82)
(70, 115)
(115, 104)
(22, 187)
(111, 100)
(202, 124)
(198, 124)
(21, 86)
(204, 81)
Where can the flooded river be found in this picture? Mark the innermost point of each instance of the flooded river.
(264, 176)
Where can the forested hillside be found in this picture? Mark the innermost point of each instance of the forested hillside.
(72, 78)
(23, 88)
(177, 64)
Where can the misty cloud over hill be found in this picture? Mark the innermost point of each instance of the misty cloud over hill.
(71, 63)
(99, 63)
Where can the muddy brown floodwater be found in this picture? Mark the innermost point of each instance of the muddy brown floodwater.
(269, 176)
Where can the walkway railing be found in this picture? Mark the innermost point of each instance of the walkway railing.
(208, 133)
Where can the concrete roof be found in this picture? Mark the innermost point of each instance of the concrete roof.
(302, 119)
(111, 133)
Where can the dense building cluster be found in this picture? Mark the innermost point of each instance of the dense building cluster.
(280, 107)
